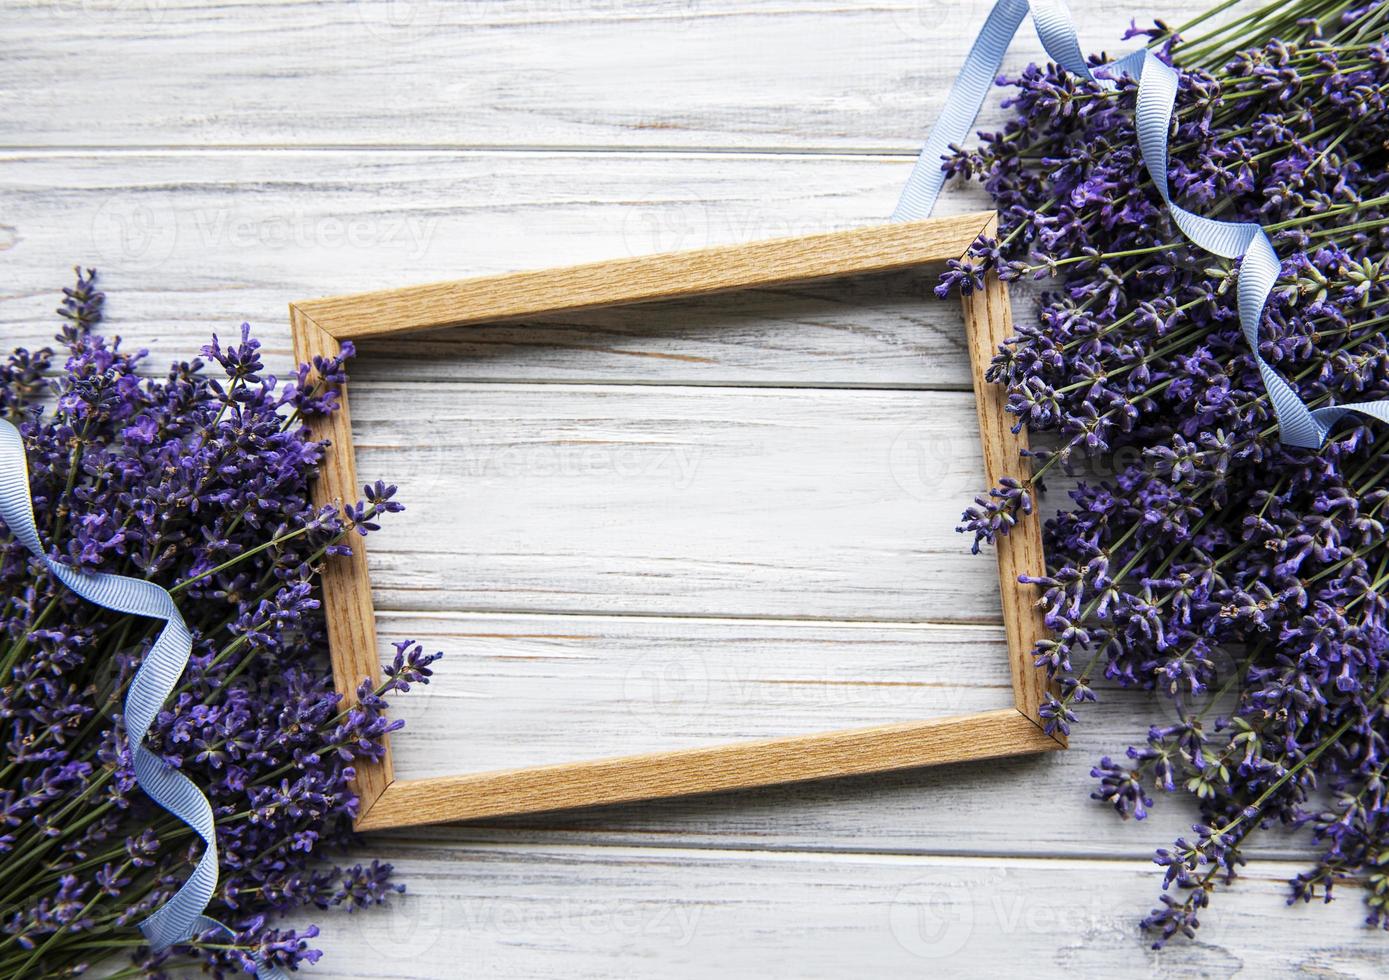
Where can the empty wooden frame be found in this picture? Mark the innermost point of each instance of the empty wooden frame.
(319, 325)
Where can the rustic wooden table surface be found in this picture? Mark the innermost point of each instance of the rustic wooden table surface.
(627, 537)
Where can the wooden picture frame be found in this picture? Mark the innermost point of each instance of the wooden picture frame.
(318, 326)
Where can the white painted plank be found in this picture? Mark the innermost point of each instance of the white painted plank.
(783, 503)
(867, 331)
(515, 691)
(554, 911)
(192, 243)
(523, 690)
(855, 74)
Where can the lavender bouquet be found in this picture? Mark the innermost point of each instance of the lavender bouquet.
(200, 484)
(1240, 579)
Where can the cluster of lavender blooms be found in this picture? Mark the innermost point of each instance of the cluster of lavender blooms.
(200, 484)
(1243, 580)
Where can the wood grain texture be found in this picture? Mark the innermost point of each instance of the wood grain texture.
(195, 243)
(506, 908)
(881, 331)
(656, 500)
(347, 609)
(989, 324)
(848, 75)
(521, 689)
(650, 278)
(737, 765)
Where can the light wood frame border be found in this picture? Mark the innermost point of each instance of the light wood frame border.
(318, 326)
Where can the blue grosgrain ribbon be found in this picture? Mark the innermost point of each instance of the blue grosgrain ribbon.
(181, 918)
(1298, 425)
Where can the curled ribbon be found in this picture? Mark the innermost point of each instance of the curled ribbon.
(181, 918)
(1298, 425)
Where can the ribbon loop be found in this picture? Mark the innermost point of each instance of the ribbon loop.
(1259, 268)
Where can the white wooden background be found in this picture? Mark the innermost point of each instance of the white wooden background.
(629, 534)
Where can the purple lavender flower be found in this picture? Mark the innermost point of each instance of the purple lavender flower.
(1241, 580)
(180, 480)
